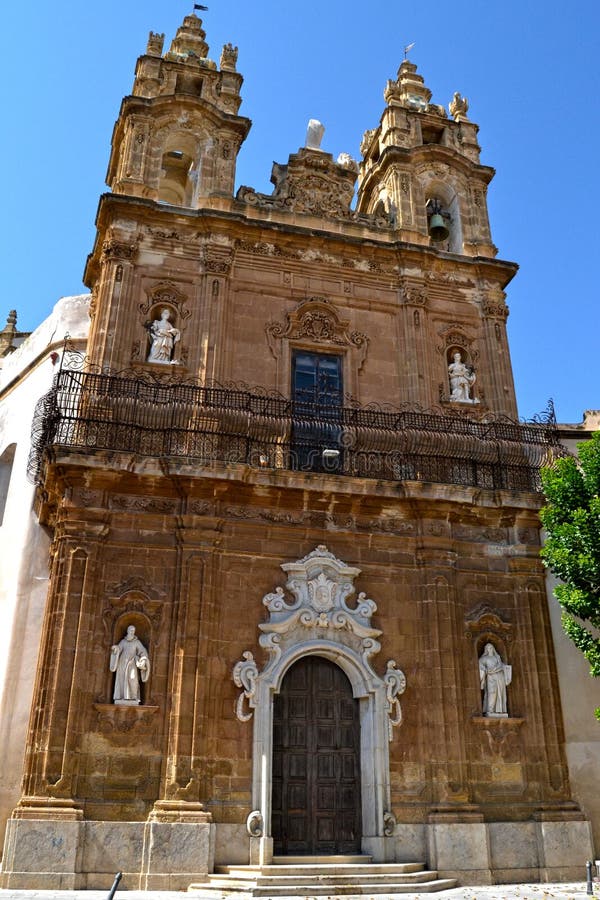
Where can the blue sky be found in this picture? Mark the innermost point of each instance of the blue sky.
(529, 69)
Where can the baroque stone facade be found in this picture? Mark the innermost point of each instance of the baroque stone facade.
(301, 419)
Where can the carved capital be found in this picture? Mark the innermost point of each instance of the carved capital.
(218, 260)
(493, 310)
(113, 248)
(413, 294)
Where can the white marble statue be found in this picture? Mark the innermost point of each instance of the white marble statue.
(130, 661)
(164, 336)
(314, 134)
(494, 676)
(462, 379)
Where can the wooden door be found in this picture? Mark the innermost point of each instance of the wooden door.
(316, 762)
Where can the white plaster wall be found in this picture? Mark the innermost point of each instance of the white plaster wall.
(580, 696)
(25, 376)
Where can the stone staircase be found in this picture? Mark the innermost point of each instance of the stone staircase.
(312, 876)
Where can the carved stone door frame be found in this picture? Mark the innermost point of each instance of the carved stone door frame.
(319, 622)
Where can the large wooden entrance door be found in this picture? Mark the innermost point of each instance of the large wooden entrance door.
(316, 762)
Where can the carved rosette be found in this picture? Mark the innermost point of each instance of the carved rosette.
(318, 613)
(317, 321)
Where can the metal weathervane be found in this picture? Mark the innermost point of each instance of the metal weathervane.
(408, 48)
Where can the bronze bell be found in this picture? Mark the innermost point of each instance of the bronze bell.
(438, 230)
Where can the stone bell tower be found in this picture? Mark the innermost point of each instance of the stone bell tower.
(178, 135)
(174, 151)
(421, 171)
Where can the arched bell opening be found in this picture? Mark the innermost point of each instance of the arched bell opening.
(6, 466)
(443, 218)
(179, 171)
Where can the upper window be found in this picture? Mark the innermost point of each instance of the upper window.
(317, 379)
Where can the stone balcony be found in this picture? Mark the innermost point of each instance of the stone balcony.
(215, 426)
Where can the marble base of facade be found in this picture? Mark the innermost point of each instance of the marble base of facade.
(169, 855)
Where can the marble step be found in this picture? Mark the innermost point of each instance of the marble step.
(327, 869)
(322, 876)
(307, 860)
(247, 890)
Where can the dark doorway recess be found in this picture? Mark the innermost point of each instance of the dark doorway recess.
(316, 762)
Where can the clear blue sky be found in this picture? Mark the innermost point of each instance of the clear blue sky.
(530, 70)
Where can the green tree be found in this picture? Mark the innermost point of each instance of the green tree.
(571, 518)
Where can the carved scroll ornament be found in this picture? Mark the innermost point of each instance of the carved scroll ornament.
(245, 674)
(317, 321)
(319, 612)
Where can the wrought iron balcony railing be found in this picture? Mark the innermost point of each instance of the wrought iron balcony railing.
(216, 425)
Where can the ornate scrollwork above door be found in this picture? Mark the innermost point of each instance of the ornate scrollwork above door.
(317, 321)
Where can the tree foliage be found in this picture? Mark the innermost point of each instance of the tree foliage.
(572, 550)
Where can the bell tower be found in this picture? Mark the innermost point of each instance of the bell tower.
(422, 173)
(173, 158)
(178, 135)
(419, 163)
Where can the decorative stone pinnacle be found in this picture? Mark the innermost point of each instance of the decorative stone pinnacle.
(229, 55)
(155, 44)
(459, 107)
(409, 89)
(189, 41)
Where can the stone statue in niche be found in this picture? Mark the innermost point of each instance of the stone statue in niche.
(164, 337)
(130, 661)
(462, 379)
(314, 134)
(494, 676)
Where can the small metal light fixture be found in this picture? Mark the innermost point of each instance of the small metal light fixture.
(330, 457)
(263, 460)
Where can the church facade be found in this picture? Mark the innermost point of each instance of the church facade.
(295, 604)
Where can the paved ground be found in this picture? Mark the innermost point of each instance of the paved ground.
(497, 892)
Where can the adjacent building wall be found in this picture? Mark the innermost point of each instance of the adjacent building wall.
(580, 693)
(26, 374)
